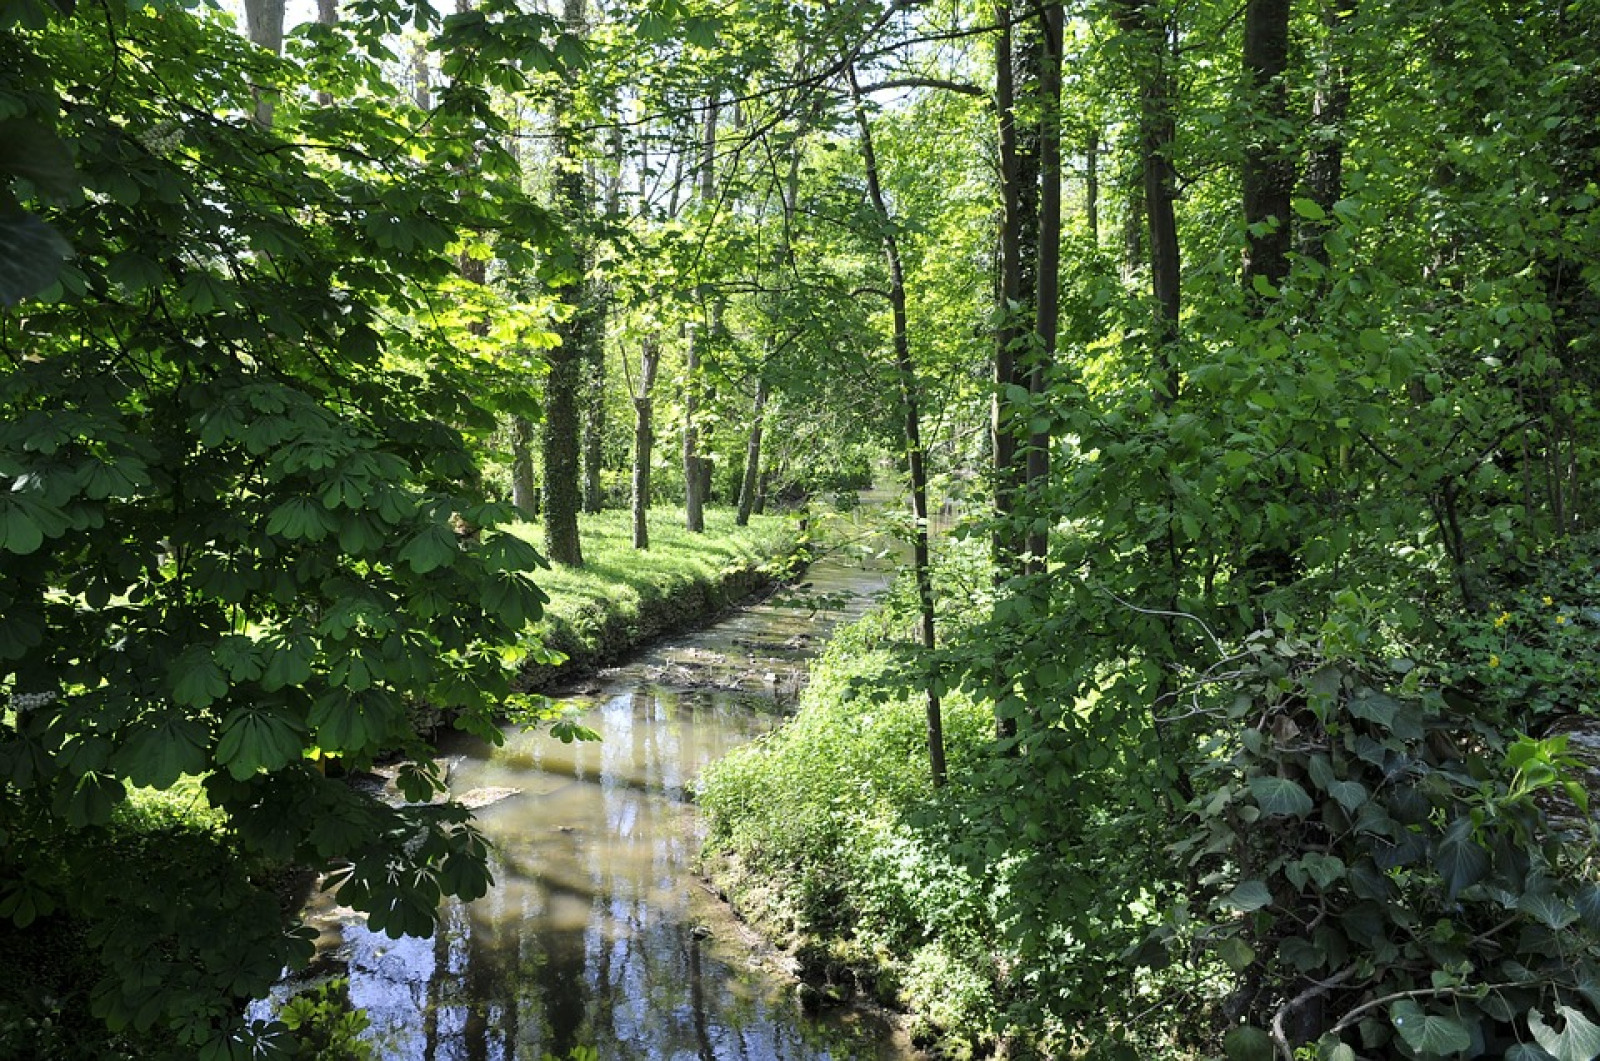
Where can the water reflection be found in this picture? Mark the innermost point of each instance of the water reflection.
(596, 932)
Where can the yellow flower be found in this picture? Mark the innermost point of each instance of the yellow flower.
(1505, 617)
(1548, 601)
(1494, 660)
(1561, 620)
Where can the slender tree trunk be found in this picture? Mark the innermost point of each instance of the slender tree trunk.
(696, 470)
(693, 482)
(421, 77)
(524, 492)
(1048, 308)
(906, 375)
(1091, 154)
(327, 15)
(1007, 545)
(563, 385)
(643, 442)
(752, 455)
(263, 20)
(1157, 131)
(594, 416)
(1324, 176)
(1268, 175)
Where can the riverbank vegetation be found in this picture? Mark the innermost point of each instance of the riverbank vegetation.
(1249, 346)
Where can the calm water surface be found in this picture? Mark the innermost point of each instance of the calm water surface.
(597, 933)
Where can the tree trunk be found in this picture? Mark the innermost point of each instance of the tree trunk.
(561, 442)
(1157, 131)
(693, 495)
(906, 376)
(263, 20)
(752, 455)
(1324, 178)
(1007, 545)
(524, 492)
(1048, 307)
(327, 15)
(1268, 176)
(1091, 194)
(643, 442)
(594, 416)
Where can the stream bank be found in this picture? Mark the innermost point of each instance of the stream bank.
(598, 934)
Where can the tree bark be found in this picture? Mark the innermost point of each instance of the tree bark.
(263, 20)
(693, 481)
(906, 377)
(561, 443)
(327, 15)
(752, 454)
(1157, 131)
(1091, 195)
(1007, 545)
(1324, 174)
(643, 442)
(524, 492)
(1047, 318)
(1268, 172)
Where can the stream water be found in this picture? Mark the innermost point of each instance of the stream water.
(597, 932)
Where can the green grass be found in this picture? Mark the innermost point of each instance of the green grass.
(623, 596)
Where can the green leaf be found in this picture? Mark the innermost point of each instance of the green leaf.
(1349, 794)
(197, 681)
(1550, 910)
(255, 740)
(31, 257)
(37, 155)
(433, 547)
(1578, 1039)
(1247, 1044)
(1309, 209)
(20, 532)
(1429, 1033)
(1459, 860)
(134, 272)
(1331, 1049)
(1236, 953)
(1247, 896)
(1280, 797)
(158, 755)
(1374, 707)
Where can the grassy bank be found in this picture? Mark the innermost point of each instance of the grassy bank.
(623, 597)
(830, 839)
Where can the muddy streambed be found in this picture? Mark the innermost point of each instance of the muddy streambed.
(597, 932)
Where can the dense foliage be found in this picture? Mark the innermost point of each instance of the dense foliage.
(1250, 347)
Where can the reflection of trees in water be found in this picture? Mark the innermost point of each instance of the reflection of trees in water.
(589, 938)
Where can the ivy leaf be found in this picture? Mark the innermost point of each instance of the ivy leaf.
(1460, 861)
(1236, 953)
(1546, 908)
(1331, 1049)
(1247, 896)
(1587, 902)
(1247, 1044)
(1528, 1052)
(1429, 1033)
(1578, 1039)
(1349, 794)
(1279, 796)
(1374, 707)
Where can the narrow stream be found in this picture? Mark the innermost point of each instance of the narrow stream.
(597, 933)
